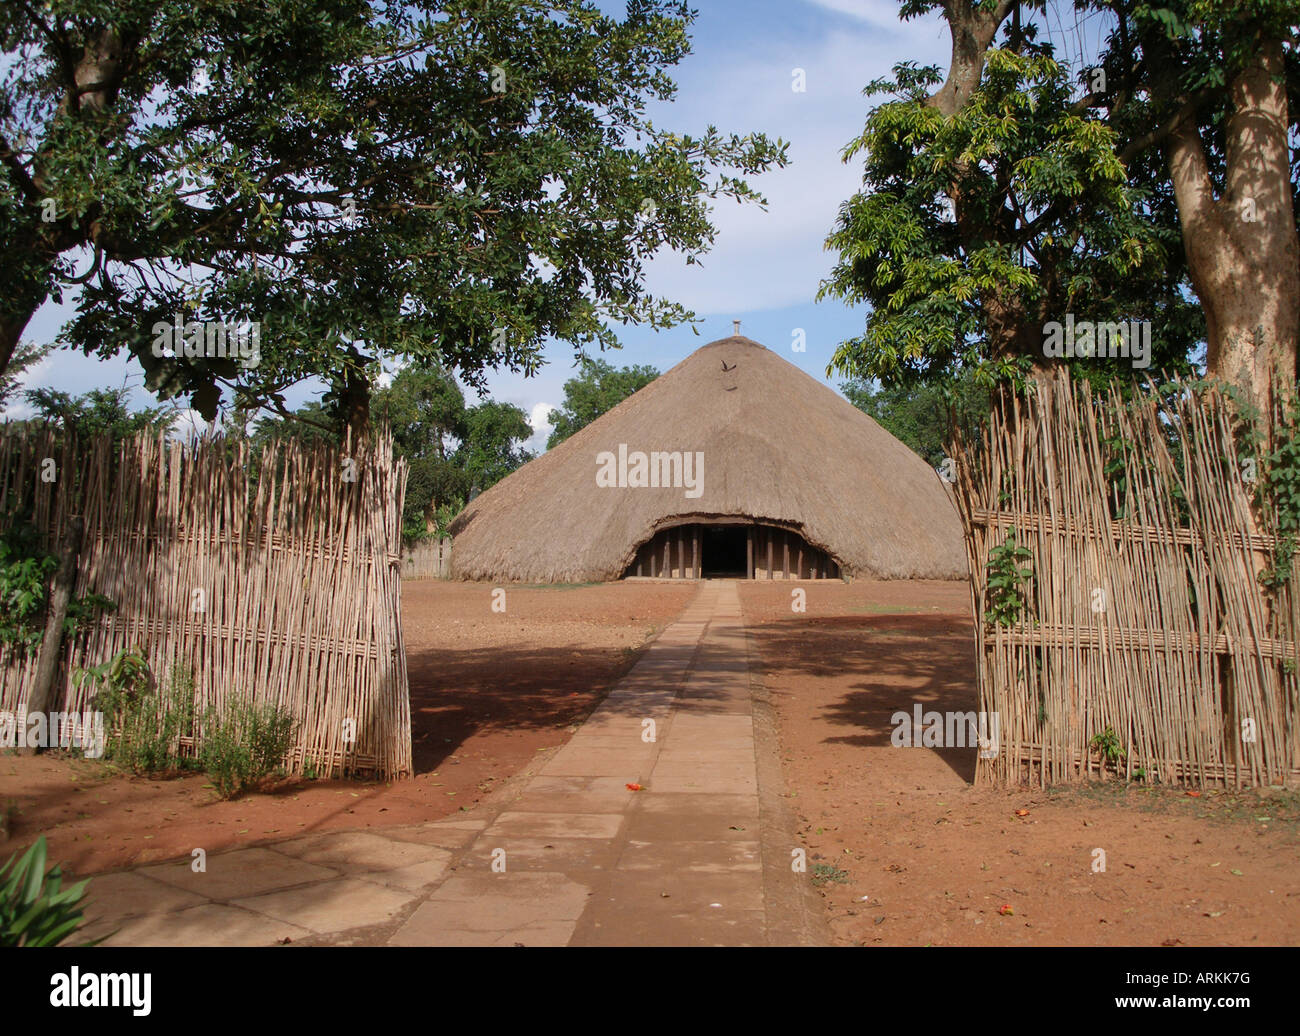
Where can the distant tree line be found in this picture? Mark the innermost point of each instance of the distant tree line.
(597, 388)
(453, 450)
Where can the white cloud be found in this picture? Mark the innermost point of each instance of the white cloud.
(18, 410)
(188, 424)
(540, 420)
(880, 13)
(774, 259)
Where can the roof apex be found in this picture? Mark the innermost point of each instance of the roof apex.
(733, 340)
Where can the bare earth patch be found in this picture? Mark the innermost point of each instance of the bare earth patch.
(909, 852)
(489, 692)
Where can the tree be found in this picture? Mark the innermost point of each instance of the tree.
(432, 486)
(25, 357)
(98, 412)
(425, 409)
(597, 389)
(1196, 103)
(924, 416)
(1218, 78)
(450, 449)
(397, 179)
(491, 448)
(994, 206)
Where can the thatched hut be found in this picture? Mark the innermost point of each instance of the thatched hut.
(733, 463)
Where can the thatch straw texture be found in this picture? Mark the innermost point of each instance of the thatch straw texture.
(777, 446)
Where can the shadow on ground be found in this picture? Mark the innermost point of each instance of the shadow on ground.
(893, 662)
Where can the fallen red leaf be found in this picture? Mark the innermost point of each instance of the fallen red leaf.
(634, 787)
(1022, 812)
(1005, 909)
(1194, 794)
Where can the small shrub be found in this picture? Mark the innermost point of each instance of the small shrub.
(444, 516)
(1008, 578)
(243, 744)
(1107, 743)
(25, 573)
(144, 723)
(35, 910)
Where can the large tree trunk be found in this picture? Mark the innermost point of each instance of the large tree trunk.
(92, 86)
(1009, 328)
(972, 30)
(1242, 249)
(1013, 331)
(46, 696)
(12, 326)
(354, 403)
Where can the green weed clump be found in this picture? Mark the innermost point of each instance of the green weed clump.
(144, 723)
(1010, 570)
(822, 873)
(243, 744)
(1107, 745)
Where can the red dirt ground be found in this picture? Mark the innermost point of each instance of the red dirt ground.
(925, 857)
(488, 692)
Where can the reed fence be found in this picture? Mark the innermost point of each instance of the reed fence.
(271, 577)
(1145, 616)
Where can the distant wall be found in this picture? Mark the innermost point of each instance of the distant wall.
(428, 560)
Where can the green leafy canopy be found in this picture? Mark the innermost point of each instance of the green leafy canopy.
(443, 183)
(597, 388)
(973, 230)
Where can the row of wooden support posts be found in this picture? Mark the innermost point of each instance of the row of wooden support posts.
(770, 553)
(656, 560)
(774, 553)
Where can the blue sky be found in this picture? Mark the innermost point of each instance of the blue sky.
(765, 267)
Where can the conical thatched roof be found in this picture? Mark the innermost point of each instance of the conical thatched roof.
(778, 446)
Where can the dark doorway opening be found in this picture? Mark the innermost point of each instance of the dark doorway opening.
(725, 552)
(730, 550)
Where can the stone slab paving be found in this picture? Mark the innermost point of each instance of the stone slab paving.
(299, 890)
(572, 856)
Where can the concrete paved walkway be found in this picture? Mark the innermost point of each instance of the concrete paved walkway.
(701, 855)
